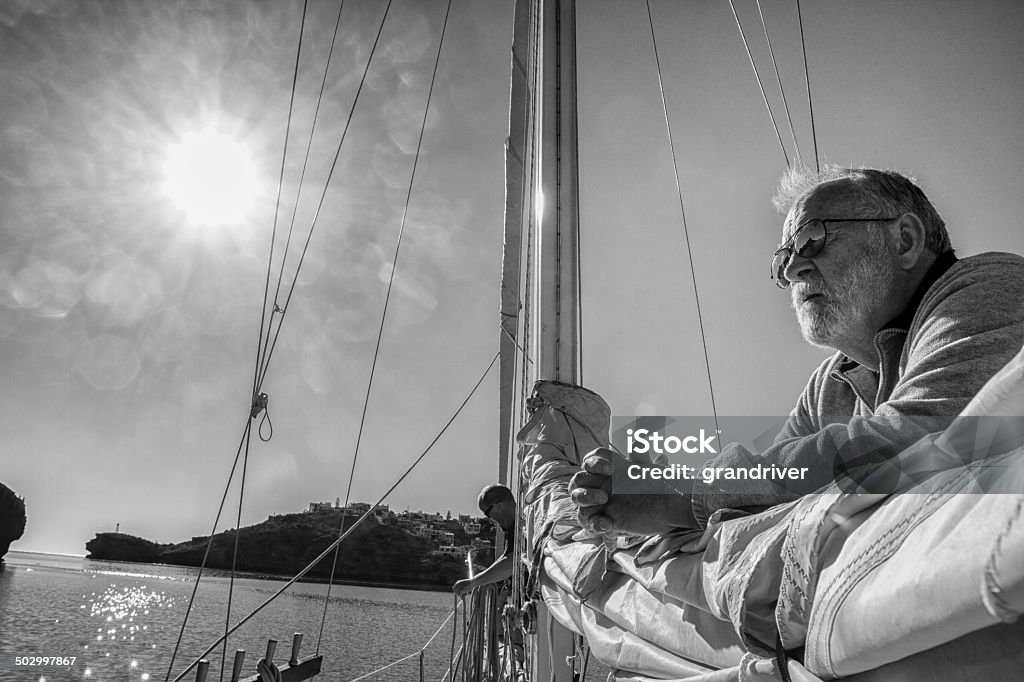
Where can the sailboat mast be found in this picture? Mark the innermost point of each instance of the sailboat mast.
(542, 196)
(556, 293)
(541, 202)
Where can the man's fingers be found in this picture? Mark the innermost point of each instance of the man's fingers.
(582, 479)
(599, 462)
(588, 497)
(593, 521)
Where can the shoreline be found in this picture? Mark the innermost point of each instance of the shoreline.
(260, 575)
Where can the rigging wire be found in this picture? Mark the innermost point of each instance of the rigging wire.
(384, 312)
(516, 344)
(807, 80)
(768, 106)
(256, 375)
(350, 530)
(206, 554)
(682, 211)
(291, 290)
(309, 147)
(234, 555)
(778, 77)
(277, 208)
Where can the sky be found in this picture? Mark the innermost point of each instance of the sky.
(128, 331)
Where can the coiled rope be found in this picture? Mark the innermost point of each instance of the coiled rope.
(478, 656)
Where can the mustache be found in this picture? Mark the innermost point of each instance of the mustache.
(811, 287)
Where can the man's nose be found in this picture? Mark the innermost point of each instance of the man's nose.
(797, 268)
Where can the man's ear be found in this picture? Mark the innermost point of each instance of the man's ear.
(910, 239)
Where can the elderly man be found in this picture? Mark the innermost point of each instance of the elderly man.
(871, 273)
(499, 505)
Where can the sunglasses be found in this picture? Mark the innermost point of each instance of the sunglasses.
(807, 242)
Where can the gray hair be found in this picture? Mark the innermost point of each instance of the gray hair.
(874, 192)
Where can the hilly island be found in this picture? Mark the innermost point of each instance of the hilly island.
(408, 549)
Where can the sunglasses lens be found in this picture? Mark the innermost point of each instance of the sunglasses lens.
(779, 263)
(810, 240)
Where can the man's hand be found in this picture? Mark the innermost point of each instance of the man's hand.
(641, 514)
(463, 587)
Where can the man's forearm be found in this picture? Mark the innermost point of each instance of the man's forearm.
(496, 572)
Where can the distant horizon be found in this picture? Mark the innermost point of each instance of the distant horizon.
(31, 551)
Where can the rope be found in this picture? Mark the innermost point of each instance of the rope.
(758, 77)
(480, 635)
(455, 657)
(682, 211)
(338, 541)
(778, 77)
(807, 80)
(384, 312)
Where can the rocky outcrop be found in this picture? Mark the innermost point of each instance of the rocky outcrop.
(374, 554)
(12, 518)
(121, 547)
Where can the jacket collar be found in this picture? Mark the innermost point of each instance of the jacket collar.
(943, 263)
(901, 323)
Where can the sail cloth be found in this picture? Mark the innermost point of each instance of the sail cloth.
(913, 584)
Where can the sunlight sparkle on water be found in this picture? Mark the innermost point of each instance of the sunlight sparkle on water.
(211, 177)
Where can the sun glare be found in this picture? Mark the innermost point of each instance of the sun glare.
(211, 177)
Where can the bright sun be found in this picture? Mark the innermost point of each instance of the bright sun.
(211, 177)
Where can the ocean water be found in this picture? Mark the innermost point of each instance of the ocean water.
(121, 621)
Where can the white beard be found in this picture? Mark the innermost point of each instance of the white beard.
(846, 306)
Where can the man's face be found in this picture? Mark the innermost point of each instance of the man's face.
(836, 294)
(502, 513)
